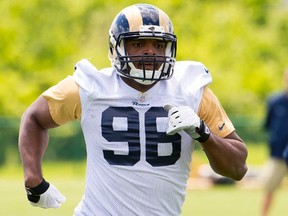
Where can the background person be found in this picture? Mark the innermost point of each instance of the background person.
(276, 124)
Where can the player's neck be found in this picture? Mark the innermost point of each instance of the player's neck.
(139, 87)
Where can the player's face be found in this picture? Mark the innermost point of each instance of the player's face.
(144, 52)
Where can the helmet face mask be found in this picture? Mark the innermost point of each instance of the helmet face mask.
(142, 22)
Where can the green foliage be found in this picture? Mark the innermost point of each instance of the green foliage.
(66, 143)
(8, 137)
(243, 43)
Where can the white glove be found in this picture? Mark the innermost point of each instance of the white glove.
(184, 118)
(45, 195)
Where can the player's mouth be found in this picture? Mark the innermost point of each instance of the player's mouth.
(149, 64)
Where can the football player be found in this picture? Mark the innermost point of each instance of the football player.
(140, 119)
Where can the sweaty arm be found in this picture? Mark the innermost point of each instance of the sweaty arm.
(56, 106)
(224, 149)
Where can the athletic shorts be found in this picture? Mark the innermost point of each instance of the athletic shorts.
(273, 173)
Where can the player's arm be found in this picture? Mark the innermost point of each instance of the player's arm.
(33, 140)
(227, 156)
(56, 106)
(224, 149)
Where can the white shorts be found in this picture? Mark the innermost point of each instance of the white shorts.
(273, 173)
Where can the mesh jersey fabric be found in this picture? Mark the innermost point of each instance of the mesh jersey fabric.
(133, 167)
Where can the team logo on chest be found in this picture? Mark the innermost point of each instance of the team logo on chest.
(142, 100)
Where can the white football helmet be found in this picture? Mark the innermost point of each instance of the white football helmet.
(142, 21)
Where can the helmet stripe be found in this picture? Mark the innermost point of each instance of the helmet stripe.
(134, 18)
(150, 15)
(165, 22)
(121, 24)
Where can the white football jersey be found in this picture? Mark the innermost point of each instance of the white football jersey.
(133, 167)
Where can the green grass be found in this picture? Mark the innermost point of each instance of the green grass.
(69, 179)
(231, 201)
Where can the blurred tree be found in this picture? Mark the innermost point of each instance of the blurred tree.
(243, 43)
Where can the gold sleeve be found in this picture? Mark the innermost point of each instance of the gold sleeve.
(213, 114)
(64, 101)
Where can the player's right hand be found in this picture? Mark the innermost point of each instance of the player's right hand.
(45, 195)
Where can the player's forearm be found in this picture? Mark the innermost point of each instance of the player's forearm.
(33, 140)
(227, 156)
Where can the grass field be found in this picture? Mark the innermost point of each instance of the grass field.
(69, 178)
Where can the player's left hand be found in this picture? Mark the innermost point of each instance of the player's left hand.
(184, 118)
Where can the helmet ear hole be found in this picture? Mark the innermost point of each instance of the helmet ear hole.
(147, 22)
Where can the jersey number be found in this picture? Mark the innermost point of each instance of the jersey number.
(132, 135)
